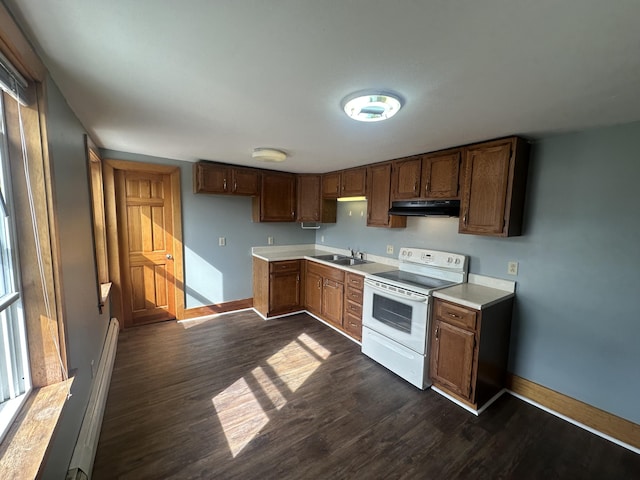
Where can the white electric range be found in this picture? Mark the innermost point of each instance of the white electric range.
(397, 310)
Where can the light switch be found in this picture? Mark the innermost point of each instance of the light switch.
(222, 241)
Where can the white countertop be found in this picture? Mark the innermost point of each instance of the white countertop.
(297, 252)
(481, 292)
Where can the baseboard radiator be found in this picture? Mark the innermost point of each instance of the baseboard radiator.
(83, 455)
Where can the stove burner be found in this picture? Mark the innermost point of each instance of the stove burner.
(414, 279)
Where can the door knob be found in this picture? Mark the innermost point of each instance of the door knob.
(169, 256)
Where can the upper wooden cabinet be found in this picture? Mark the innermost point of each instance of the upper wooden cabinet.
(311, 207)
(440, 174)
(345, 183)
(354, 182)
(379, 198)
(405, 178)
(331, 185)
(219, 178)
(277, 201)
(495, 177)
(428, 176)
(245, 181)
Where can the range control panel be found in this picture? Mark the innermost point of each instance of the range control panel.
(433, 258)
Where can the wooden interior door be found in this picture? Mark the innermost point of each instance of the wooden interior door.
(146, 228)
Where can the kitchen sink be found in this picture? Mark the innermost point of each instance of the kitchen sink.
(332, 258)
(341, 259)
(349, 261)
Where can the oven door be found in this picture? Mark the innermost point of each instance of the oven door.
(396, 316)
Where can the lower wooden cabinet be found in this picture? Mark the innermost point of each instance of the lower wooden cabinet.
(290, 286)
(469, 350)
(325, 292)
(276, 287)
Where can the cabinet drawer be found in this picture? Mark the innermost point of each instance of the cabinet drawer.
(354, 309)
(354, 295)
(353, 326)
(354, 280)
(284, 266)
(455, 315)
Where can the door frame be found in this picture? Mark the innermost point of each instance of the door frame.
(111, 213)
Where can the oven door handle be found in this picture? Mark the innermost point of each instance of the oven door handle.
(420, 299)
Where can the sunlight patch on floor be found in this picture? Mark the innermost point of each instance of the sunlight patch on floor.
(240, 415)
(293, 364)
(277, 399)
(314, 346)
(238, 407)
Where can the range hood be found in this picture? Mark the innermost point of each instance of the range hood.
(426, 208)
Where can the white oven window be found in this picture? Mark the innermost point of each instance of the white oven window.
(392, 313)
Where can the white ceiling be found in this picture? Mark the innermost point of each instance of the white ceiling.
(202, 79)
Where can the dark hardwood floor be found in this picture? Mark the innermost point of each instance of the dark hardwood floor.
(238, 397)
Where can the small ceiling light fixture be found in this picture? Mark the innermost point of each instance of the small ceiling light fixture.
(269, 155)
(371, 106)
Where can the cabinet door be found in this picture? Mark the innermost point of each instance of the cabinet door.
(486, 184)
(284, 292)
(245, 181)
(354, 182)
(308, 188)
(277, 198)
(452, 353)
(210, 178)
(332, 298)
(313, 293)
(331, 185)
(378, 198)
(405, 178)
(440, 175)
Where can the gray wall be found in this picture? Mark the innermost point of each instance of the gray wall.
(85, 327)
(576, 324)
(216, 274)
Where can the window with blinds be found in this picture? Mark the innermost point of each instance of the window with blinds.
(15, 382)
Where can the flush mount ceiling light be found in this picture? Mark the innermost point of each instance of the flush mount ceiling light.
(269, 155)
(371, 106)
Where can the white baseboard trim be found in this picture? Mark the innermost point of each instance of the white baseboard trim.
(467, 407)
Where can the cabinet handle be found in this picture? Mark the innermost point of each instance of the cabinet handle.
(319, 284)
(298, 278)
(415, 186)
(235, 186)
(437, 332)
(464, 219)
(224, 184)
(293, 214)
(453, 315)
(428, 187)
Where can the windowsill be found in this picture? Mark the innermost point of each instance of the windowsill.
(24, 449)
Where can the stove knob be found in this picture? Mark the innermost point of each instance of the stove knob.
(409, 253)
(449, 260)
(457, 261)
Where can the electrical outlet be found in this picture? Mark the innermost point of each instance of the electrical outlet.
(270, 240)
(322, 238)
(512, 268)
(390, 249)
(93, 370)
(222, 241)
